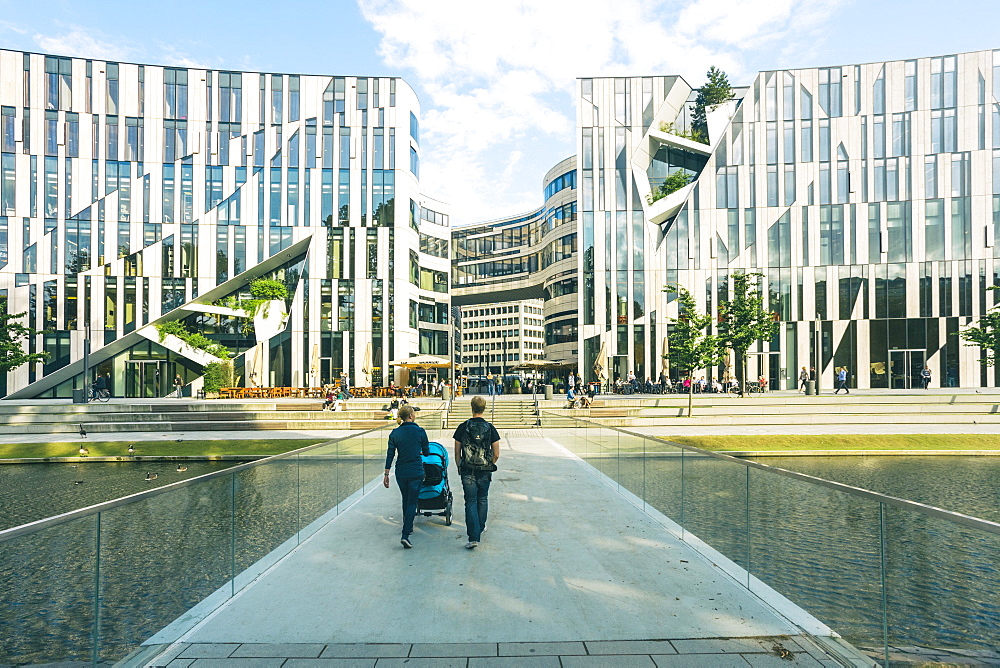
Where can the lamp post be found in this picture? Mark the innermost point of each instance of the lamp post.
(819, 352)
(86, 362)
(503, 356)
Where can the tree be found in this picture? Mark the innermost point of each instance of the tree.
(987, 335)
(674, 182)
(716, 91)
(218, 375)
(12, 336)
(690, 346)
(744, 321)
(268, 288)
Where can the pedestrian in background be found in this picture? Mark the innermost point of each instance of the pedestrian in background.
(803, 377)
(842, 380)
(925, 376)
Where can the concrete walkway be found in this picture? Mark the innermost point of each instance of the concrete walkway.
(569, 573)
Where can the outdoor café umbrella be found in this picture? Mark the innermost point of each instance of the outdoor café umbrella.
(366, 367)
(423, 362)
(256, 375)
(664, 359)
(314, 366)
(599, 369)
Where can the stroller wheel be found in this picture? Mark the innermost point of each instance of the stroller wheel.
(447, 520)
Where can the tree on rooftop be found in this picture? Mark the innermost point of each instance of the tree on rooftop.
(716, 91)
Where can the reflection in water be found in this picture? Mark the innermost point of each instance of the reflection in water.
(821, 548)
(30, 492)
(158, 557)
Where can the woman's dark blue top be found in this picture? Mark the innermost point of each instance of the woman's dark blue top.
(407, 443)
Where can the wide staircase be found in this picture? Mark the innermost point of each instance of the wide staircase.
(505, 412)
(784, 408)
(194, 415)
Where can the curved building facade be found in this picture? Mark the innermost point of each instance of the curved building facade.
(133, 195)
(525, 257)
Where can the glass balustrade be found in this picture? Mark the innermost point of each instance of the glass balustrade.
(93, 584)
(877, 570)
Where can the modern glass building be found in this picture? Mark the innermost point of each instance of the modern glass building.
(866, 195)
(527, 256)
(131, 195)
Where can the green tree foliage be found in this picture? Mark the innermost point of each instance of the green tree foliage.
(674, 182)
(986, 335)
(692, 135)
(691, 347)
(268, 288)
(193, 339)
(218, 375)
(716, 91)
(744, 321)
(13, 334)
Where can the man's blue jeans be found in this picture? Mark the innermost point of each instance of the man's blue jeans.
(476, 487)
(410, 489)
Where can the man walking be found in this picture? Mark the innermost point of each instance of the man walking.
(409, 440)
(477, 449)
(842, 381)
(925, 376)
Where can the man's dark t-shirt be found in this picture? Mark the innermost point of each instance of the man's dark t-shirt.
(409, 440)
(460, 431)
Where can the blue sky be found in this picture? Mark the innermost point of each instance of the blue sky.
(496, 80)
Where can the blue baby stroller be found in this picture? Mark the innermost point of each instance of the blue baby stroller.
(435, 496)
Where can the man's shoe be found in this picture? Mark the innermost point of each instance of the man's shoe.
(405, 542)
(472, 544)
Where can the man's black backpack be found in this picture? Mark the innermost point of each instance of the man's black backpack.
(477, 451)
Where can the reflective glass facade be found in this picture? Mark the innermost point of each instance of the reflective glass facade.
(866, 195)
(132, 195)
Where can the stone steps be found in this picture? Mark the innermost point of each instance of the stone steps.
(62, 418)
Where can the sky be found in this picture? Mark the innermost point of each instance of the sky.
(497, 81)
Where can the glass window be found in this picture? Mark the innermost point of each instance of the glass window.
(806, 144)
(277, 90)
(111, 105)
(175, 93)
(934, 230)
(878, 93)
(788, 148)
(910, 85)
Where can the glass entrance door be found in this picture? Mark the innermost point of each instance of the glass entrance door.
(905, 367)
(619, 367)
(144, 379)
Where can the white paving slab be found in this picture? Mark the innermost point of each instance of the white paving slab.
(565, 558)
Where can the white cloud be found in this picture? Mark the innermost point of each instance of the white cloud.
(86, 44)
(7, 26)
(498, 81)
